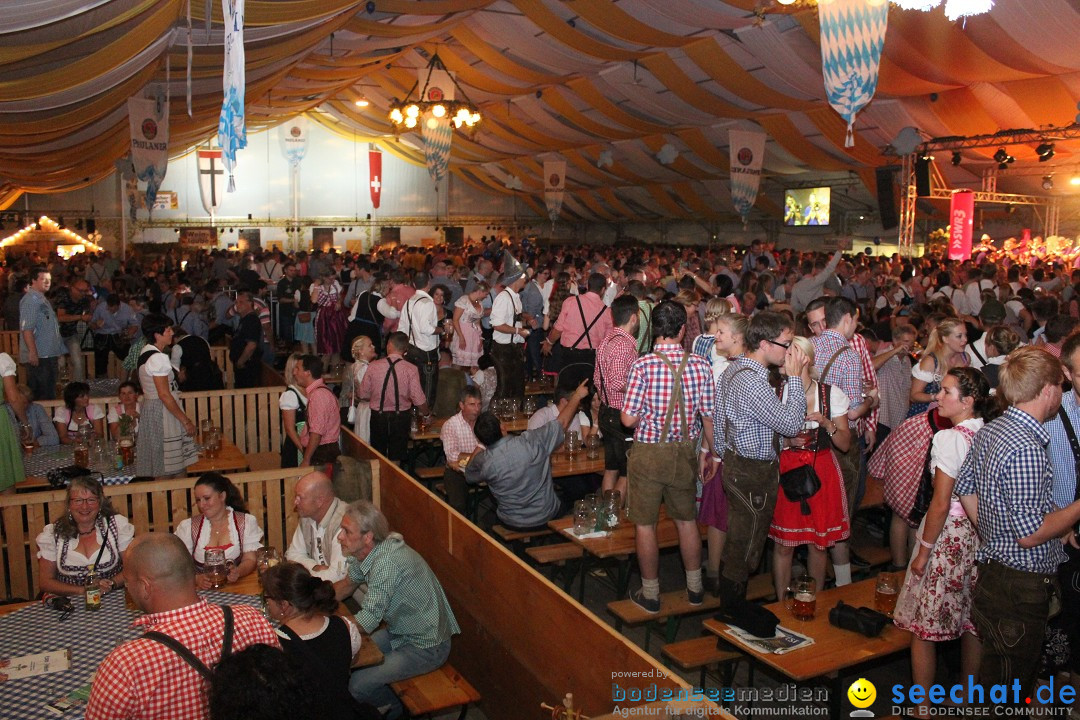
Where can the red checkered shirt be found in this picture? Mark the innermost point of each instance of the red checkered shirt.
(649, 389)
(617, 352)
(410, 392)
(145, 679)
(870, 420)
(323, 415)
(458, 437)
(899, 461)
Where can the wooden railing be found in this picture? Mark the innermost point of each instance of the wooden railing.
(523, 640)
(151, 507)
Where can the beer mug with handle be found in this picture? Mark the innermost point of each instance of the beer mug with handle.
(801, 598)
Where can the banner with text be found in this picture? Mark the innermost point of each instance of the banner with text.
(961, 224)
(149, 143)
(747, 150)
(294, 139)
(554, 187)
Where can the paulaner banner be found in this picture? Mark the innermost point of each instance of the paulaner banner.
(961, 224)
(149, 143)
(554, 186)
(747, 149)
(294, 139)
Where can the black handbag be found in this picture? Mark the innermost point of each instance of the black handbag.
(802, 483)
(861, 620)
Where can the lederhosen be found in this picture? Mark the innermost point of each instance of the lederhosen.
(390, 428)
(426, 361)
(509, 360)
(617, 437)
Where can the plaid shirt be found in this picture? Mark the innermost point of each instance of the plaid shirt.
(409, 393)
(1061, 452)
(1008, 469)
(894, 383)
(898, 462)
(458, 437)
(846, 371)
(616, 353)
(323, 416)
(650, 386)
(145, 679)
(869, 375)
(749, 406)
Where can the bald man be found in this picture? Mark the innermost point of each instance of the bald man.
(161, 580)
(315, 544)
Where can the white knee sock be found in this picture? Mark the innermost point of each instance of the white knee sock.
(843, 574)
(651, 588)
(693, 580)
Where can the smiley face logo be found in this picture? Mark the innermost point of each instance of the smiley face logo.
(862, 693)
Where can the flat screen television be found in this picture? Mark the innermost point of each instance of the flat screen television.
(808, 206)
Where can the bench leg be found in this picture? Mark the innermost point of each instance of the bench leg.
(464, 711)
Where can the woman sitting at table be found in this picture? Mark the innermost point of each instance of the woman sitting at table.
(293, 405)
(21, 402)
(129, 406)
(312, 633)
(76, 412)
(165, 445)
(91, 533)
(223, 523)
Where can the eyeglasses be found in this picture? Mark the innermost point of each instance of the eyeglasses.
(779, 344)
(84, 501)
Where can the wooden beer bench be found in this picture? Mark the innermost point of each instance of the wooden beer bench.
(438, 690)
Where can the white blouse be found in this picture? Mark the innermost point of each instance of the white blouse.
(292, 399)
(7, 365)
(950, 447)
(64, 416)
(157, 366)
(65, 553)
(252, 537)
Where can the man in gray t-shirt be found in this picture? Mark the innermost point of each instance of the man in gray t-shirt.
(517, 468)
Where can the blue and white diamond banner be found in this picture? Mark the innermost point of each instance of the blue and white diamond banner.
(232, 131)
(149, 143)
(852, 35)
(747, 149)
(437, 137)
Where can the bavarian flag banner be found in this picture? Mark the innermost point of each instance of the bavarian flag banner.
(852, 35)
(149, 143)
(232, 129)
(747, 149)
(294, 139)
(554, 187)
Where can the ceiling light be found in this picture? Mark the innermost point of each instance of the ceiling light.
(1048, 182)
(1074, 180)
(956, 158)
(1045, 151)
(461, 110)
(362, 102)
(1000, 156)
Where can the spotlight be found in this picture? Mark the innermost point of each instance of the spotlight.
(350, 229)
(956, 157)
(1000, 156)
(926, 157)
(1074, 180)
(249, 216)
(1048, 182)
(1045, 151)
(176, 230)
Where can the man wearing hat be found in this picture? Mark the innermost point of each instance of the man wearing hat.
(991, 313)
(508, 331)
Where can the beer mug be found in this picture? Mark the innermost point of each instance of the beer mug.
(801, 598)
(216, 569)
(886, 590)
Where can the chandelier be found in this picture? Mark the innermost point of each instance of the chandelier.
(409, 111)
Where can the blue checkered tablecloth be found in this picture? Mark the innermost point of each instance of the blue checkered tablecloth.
(44, 459)
(90, 636)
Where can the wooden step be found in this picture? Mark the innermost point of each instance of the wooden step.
(698, 653)
(560, 552)
(672, 604)
(439, 690)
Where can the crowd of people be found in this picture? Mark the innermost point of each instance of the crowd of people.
(748, 389)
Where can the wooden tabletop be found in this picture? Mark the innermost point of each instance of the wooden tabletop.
(562, 466)
(620, 541)
(520, 423)
(540, 387)
(229, 459)
(833, 649)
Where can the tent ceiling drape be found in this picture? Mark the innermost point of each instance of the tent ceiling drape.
(587, 80)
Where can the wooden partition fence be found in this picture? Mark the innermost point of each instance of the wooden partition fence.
(9, 343)
(157, 506)
(524, 641)
(249, 418)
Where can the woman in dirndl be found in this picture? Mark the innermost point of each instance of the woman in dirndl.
(935, 601)
(330, 321)
(165, 446)
(826, 526)
(11, 461)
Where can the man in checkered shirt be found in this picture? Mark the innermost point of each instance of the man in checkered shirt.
(1006, 485)
(663, 467)
(130, 682)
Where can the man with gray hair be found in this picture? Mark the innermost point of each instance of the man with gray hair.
(314, 544)
(404, 593)
(184, 638)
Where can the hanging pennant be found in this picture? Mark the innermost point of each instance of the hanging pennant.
(961, 224)
(149, 122)
(210, 169)
(554, 187)
(374, 159)
(232, 131)
(294, 139)
(747, 150)
(437, 136)
(852, 35)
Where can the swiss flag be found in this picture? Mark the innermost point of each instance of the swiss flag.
(375, 174)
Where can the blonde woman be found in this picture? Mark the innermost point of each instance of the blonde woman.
(944, 351)
(363, 352)
(293, 405)
(705, 344)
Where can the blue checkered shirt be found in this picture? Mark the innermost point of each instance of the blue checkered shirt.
(1061, 453)
(749, 406)
(846, 371)
(1008, 469)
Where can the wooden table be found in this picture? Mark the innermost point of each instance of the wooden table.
(540, 387)
(834, 650)
(562, 466)
(519, 424)
(620, 543)
(229, 459)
